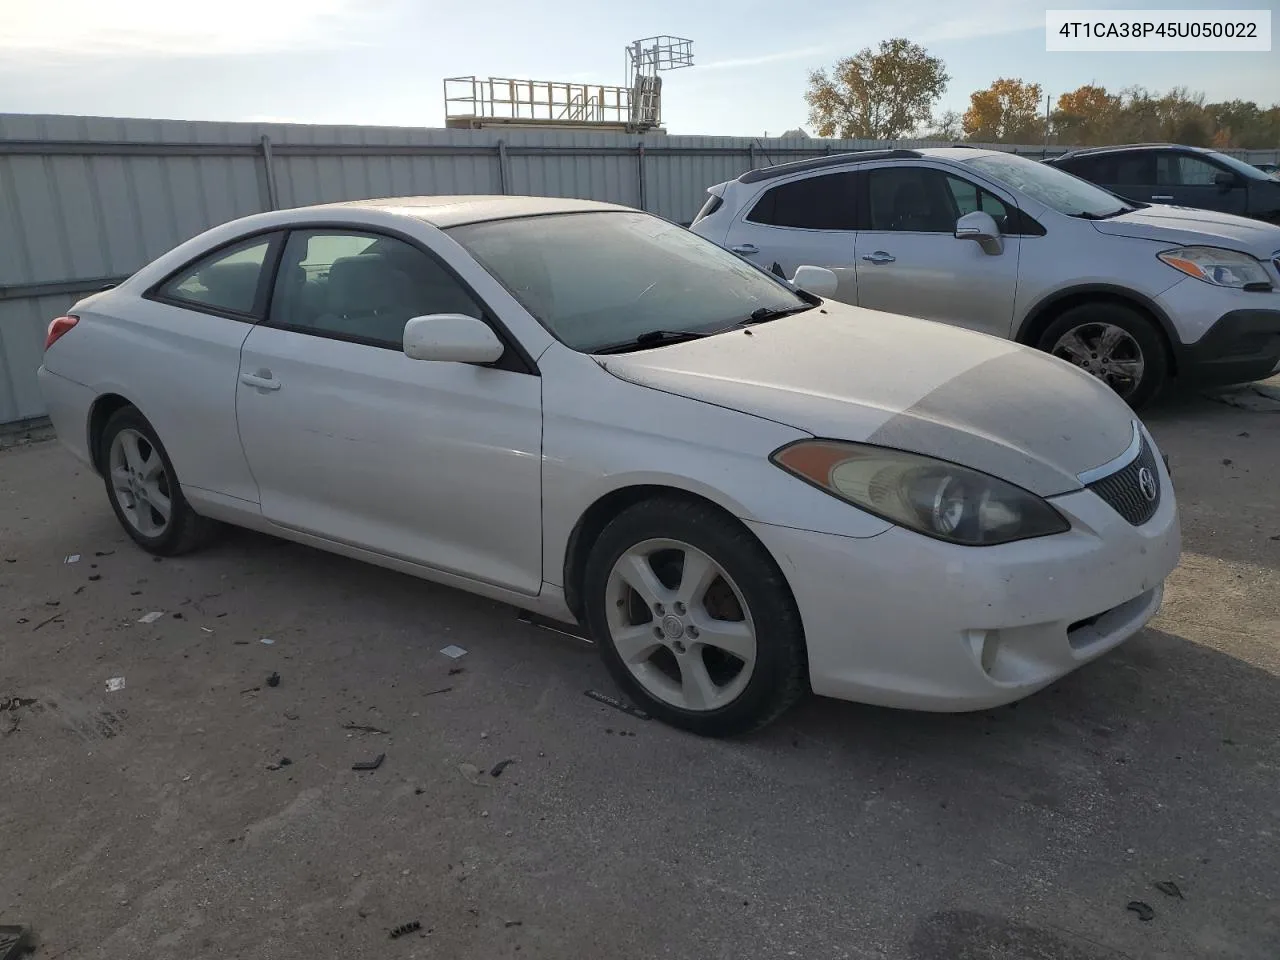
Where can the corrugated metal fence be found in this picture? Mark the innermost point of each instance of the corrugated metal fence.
(87, 200)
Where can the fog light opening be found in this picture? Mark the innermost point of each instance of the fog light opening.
(985, 646)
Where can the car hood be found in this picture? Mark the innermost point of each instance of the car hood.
(846, 373)
(1184, 225)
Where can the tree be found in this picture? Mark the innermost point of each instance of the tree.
(945, 127)
(1086, 116)
(1006, 112)
(876, 95)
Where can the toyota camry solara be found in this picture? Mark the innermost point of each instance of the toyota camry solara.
(743, 491)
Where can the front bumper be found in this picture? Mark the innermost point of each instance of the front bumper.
(1242, 346)
(901, 620)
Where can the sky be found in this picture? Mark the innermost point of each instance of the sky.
(383, 61)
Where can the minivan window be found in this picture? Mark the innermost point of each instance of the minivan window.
(598, 280)
(1055, 189)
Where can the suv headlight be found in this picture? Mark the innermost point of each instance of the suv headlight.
(939, 499)
(1222, 268)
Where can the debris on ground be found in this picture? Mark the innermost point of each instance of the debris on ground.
(71, 558)
(453, 651)
(290, 715)
(454, 671)
(207, 629)
(273, 680)
(1143, 910)
(1169, 889)
(1226, 461)
(103, 553)
(514, 923)
(151, 617)
(405, 928)
(471, 773)
(23, 620)
(282, 762)
(95, 577)
(617, 704)
(1243, 433)
(267, 640)
(178, 615)
(373, 764)
(114, 684)
(500, 766)
(432, 693)
(363, 728)
(58, 617)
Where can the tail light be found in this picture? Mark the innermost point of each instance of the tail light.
(57, 327)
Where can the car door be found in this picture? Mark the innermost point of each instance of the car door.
(909, 260)
(1191, 180)
(189, 329)
(802, 220)
(350, 440)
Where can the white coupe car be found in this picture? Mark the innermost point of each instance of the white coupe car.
(743, 490)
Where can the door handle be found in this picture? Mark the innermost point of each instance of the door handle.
(879, 257)
(261, 380)
(745, 248)
(1162, 198)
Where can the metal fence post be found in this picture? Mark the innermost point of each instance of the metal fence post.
(640, 174)
(503, 175)
(273, 194)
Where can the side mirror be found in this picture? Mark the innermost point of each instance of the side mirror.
(451, 337)
(1226, 181)
(982, 228)
(819, 281)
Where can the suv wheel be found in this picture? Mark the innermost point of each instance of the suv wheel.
(1114, 343)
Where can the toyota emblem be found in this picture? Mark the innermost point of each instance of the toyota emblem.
(1147, 484)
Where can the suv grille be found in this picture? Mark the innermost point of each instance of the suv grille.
(1123, 490)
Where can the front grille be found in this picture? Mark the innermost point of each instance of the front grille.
(1123, 489)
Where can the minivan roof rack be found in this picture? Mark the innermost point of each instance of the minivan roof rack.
(818, 163)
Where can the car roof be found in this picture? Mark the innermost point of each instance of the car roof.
(1122, 147)
(452, 211)
(859, 156)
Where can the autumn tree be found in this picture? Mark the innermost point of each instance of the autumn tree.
(945, 127)
(1006, 112)
(1086, 116)
(877, 94)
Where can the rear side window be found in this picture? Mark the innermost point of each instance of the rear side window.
(227, 281)
(815, 203)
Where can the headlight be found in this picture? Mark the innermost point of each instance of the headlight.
(1222, 268)
(933, 497)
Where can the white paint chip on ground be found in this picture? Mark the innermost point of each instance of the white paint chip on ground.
(206, 630)
(267, 640)
(72, 558)
(151, 617)
(454, 651)
(114, 684)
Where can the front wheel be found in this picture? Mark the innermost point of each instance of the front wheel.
(1114, 343)
(694, 619)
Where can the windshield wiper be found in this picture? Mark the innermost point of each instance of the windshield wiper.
(761, 314)
(653, 338)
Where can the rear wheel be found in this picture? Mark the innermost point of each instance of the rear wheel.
(144, 490)
(1114, 343)
(694, 619)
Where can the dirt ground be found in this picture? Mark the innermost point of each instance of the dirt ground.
(157, 820)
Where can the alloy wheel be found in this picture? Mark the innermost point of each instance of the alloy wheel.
(1106, 351)
(140, 483)
(680, 625)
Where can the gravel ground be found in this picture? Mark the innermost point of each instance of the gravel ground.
(157, 820)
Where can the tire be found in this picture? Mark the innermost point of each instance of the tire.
(736, 579)
(1137, 339)
(139, 478)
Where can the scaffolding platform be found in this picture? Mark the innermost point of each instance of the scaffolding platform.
(475, 103)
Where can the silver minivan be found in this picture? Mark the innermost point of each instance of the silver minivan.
(1133, 293)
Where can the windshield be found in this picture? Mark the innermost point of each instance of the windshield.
(1052, 187)
(1247, 170)
(603, 279)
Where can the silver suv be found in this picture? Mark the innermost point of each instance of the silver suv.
(1133, 293)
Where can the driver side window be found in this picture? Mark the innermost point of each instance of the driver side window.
(361, 286)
